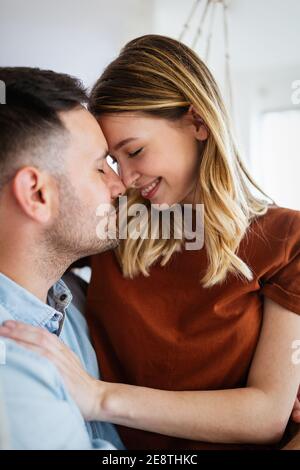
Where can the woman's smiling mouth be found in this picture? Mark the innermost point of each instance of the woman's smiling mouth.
(149, 190)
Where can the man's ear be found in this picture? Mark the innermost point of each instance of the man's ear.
(201, 130)
(32, 191)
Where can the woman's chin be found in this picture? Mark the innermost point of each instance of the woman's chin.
(166, 202)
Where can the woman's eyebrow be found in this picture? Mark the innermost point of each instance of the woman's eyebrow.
(123, 142)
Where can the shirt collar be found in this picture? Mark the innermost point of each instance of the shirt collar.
(25, 307)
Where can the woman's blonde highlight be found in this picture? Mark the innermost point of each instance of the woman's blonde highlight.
(162, 77)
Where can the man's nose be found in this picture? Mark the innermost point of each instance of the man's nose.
(128, 175)
(116, 186)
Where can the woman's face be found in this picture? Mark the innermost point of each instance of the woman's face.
(159, 157)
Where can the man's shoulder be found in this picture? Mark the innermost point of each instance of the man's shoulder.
(4, 314)
(21, 367)
(37, 403)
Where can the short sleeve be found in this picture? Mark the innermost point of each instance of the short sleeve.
(283, 284)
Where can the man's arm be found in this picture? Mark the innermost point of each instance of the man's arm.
(4, 433)
(39, 411)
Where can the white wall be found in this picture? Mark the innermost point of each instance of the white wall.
(264, 37)
(74, 36)
(80, 38)
(257, 91)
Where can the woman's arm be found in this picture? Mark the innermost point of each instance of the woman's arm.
(257, 413)
(294, 443)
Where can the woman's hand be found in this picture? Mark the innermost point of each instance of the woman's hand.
(115, 402)
(296, 409)
(85, 390)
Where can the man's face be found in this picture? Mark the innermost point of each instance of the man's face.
(88, 183)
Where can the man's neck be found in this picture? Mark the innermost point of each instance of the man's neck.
(38, 287)
(34, 273)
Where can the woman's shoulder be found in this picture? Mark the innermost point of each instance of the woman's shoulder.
(272, 239)
(275, 255)
(278, 223)
(276, 214)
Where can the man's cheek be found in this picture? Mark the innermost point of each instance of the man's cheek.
(106, 227)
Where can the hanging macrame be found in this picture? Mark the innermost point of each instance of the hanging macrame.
(207, 18)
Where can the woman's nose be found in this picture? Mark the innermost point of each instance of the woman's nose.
(128, 176)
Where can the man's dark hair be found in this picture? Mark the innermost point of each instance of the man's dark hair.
(31, 131)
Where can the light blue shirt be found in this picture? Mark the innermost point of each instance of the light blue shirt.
(40, 412)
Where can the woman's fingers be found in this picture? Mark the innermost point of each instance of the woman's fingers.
(32, 347)
(296, 411)
(41, 341)
(82, 386)
(30, 334)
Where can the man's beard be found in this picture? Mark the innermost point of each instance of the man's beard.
(73, 233)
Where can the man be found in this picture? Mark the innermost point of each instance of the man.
(53, 177)
(46, 176)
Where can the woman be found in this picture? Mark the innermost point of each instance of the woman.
(195, 346)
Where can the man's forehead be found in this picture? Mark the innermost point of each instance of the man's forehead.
(78, 117)
(84, 128)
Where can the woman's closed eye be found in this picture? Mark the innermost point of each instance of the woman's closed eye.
(134, 154)
(130, 155)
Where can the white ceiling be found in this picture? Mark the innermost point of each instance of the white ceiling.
(263, 33)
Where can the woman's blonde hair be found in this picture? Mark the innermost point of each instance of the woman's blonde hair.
(162, 77)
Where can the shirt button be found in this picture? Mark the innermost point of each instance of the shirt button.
(63, 297)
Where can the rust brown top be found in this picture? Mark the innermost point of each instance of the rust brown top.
(168, 332)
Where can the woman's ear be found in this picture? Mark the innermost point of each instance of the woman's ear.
(201, 130)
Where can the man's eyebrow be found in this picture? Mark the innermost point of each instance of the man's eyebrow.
(103, 156)
(123, 142)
